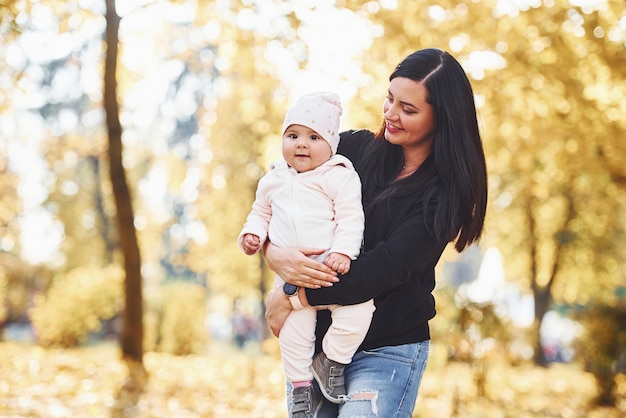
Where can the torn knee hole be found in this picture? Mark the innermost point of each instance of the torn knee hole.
(363, 396)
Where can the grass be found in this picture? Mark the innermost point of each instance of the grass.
(226, 382)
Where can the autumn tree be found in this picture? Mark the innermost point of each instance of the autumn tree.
(184, 243)
(132, 329)
(554, 145)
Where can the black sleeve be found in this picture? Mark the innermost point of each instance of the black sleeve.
(409, 250)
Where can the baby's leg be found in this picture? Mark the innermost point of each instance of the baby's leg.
(297, 344)
(347, 330)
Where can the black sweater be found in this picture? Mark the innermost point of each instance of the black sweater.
(396, 267)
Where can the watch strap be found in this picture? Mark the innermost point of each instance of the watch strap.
(295, 301)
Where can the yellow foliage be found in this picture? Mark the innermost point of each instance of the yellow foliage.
(3, 296)
(75, 304)
(184, 311)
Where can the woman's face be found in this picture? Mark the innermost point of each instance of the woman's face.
(409, 118)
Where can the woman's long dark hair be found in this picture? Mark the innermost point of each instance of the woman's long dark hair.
(451, 183)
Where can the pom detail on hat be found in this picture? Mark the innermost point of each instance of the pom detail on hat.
(319, 112)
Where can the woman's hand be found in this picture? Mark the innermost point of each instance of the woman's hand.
(293, 266)
(277, 309)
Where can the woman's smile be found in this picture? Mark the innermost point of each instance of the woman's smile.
(392, 128)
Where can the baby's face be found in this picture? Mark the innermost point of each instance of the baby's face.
(304, 149)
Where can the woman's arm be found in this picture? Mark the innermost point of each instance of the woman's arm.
(408, 250)
(294, 266)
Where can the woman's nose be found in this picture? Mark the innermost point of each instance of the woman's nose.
(389, 112)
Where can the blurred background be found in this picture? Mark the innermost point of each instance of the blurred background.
(201, 88)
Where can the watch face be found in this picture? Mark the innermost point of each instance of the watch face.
(289, 289)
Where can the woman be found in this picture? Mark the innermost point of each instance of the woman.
(424, 185)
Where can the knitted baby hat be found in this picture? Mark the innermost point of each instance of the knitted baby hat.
(320, 112)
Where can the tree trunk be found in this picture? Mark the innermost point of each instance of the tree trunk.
(542, 304)
(132, 323)
(543, 293)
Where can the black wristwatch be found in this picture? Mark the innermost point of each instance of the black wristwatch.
(292, 291)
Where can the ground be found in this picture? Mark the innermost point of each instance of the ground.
(227, 382)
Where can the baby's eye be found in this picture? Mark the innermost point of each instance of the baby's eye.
(292, 136)
(314, 137)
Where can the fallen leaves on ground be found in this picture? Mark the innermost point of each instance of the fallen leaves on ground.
(226, 382)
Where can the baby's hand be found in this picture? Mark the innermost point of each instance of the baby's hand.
(338, 262)
(251, 244)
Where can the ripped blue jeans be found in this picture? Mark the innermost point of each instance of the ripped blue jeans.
(381, 383)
